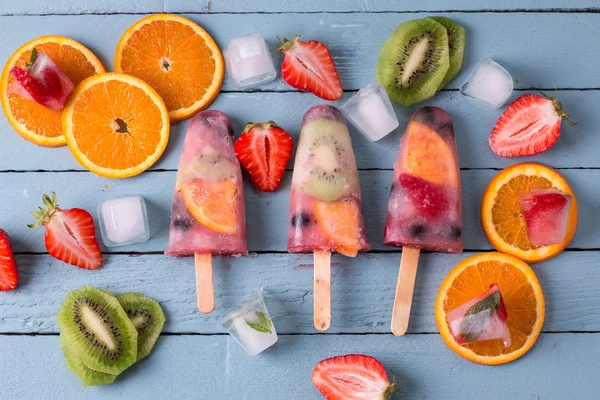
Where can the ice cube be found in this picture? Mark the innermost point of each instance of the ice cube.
(123, 221)
(489, 83)
(249, 61)
(546, 214)
(371, 112)
(251, 325)
(54, 87)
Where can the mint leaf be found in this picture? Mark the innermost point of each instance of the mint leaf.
(473, 322)
(34, 54)
(263, 325)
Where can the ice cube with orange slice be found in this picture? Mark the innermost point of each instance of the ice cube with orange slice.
(505, 223)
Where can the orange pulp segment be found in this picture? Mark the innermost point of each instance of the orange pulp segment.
(339, 222)
(213, 204)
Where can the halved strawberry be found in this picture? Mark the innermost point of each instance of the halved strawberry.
(308, 66)
(9, 277)
(70, 234)
(353, 376)
(264, 150)
(529, 126)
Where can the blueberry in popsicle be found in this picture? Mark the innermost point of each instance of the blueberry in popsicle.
(425, 205)
(326, 203)
(208, 215)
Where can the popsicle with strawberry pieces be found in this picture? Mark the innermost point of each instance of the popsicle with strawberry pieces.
(208, 216)
(482, 318)
(42, 81)
(425, 205)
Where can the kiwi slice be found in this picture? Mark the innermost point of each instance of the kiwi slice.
(414, 60)
(97, 330)
(457, 37)
(329, 159)
(147, 317)
(87, 376)
(209, 166)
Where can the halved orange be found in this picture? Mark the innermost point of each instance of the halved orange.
(116, 125)
(34, 122)
(426, 155)
(177, 58)
(339, 222)
(213, 204)
(501, 216)
(522, 295)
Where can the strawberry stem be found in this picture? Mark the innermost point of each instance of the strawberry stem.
(44, 215)
(559, 108)
(393, 388)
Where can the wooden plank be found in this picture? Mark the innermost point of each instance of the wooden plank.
(242, 6)
(559, 366)
(527, 44)
(267, 213)
(362, 290)
(473, 124)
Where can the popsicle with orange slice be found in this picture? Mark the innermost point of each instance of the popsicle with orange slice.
(208, 215)
(326, 204)
(425, 206)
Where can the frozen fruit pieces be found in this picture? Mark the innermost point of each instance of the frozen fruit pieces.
(546, 213)
(43, 82)
(482, 318)
(425, 206)
(326, 203)
(208, 214)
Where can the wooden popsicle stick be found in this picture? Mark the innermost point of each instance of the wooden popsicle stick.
(322, 301)
(404, 290)
(204, 282)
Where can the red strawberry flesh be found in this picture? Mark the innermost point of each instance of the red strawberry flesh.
(9, 277)
(428, 198)
(546, 214)
(353, 376)
(308, 66)
(264, 150)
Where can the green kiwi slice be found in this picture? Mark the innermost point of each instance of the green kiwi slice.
(210, 166)
(87, 376)
(97, 330)
(414, 60)
(457, 38)
(147, 317)
(330, 170)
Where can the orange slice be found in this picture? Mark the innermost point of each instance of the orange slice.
(522, 297)
(116, 125)
(426, 155)
(213, 204)
(501, 216)
(339, 222)
(32, 121)
(177, 58)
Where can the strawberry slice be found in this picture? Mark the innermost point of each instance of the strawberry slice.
(308, 66)
(428, 198)
(353, 376)
(264, 150)
(70, 234)
(529, 126)
(9, 277)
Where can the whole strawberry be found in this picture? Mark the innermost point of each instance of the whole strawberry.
(308, 66)
(9, 277)
(529, 126)
(70, 234)
(264, 150)
(353, 376)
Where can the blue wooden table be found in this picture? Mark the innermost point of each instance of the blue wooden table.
(542, 43)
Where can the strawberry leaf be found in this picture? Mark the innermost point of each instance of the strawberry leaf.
(263, 324)
(34, 54)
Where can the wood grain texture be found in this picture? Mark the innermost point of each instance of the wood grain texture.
(245, 6)
(472, 124)
(542, 59)
(362, 290)
(267, 213)
(215, 367)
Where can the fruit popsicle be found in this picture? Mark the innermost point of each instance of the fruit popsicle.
(325, 203)
(425, 205)
(208, 215)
